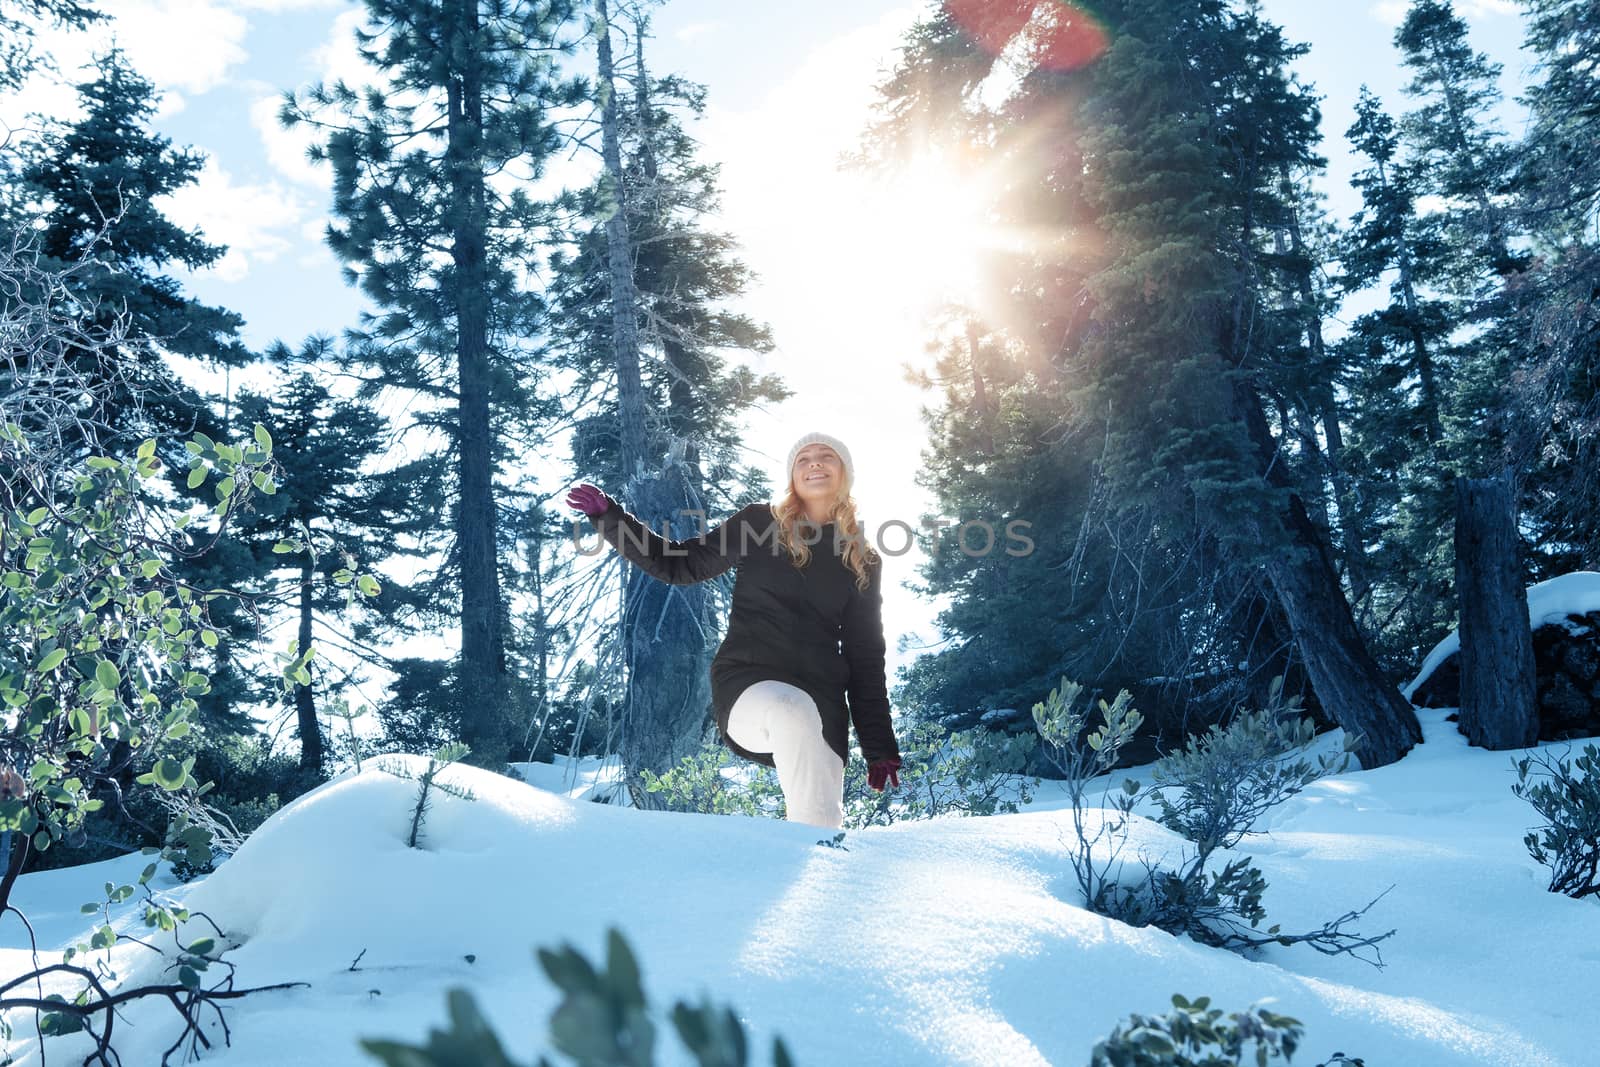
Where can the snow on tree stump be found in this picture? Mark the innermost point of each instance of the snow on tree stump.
(1565, 614)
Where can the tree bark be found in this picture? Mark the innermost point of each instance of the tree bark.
(619, 253)
(1498, 689)
(668, 696)
(482, 681)
(1347, 681)
(304, 701)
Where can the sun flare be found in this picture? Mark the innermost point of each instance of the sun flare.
(927, 231)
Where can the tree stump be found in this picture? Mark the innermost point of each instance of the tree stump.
(1498, 690)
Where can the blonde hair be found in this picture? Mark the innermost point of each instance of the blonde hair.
(858, 554)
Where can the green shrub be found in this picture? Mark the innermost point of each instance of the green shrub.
(702, 783)
(976, 772)
(103, 654)
(603, 1020)
(1569, 840)
(1197, 1035)
(1212, 792)
(101, 640)
(970, 772)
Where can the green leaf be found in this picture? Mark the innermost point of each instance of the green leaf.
(263, 438)
(60, 1023)
(51, 661)
(203, 946)
(368, 585)
(188, 977)
(197, 476)
(169, 774)
(208, 638)
(106, 673)
(37, 515)
(149, 567)
(285, 546)
(225, 488)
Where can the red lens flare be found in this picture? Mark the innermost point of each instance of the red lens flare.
(1062, 35)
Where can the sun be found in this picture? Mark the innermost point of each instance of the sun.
(927, 230)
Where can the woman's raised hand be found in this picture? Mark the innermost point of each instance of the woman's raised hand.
(589, 499)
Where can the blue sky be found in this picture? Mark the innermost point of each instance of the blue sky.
(789, 84)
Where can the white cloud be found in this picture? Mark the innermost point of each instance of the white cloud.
(278, 7)
(337, 57)
(286, 148)
(183, 47)
(258, 222)
(188, 45)
(696, 30)
(1390, 12)
(1393, 12)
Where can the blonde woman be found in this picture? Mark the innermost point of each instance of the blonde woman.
(803, 658)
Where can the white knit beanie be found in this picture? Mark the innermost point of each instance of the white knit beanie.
(822, 439)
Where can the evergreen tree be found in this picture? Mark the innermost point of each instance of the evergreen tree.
(1462, 158)
(1398, 373)
(353, 520)
(97, 182)
(642, 301)
(1176, 340)
(1558, 174)
(439, 240)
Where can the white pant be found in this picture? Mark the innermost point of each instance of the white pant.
(776, 717)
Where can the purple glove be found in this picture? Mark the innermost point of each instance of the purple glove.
(589, 499)
(883, 772)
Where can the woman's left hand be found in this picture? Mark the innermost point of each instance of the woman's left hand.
(883, 772)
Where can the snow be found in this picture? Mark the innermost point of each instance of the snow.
(587, 778)
(947, 941)
(1549, 601)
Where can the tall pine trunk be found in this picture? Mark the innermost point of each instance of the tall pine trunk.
(668, 697)
(1498, 688)
(481, 684)
(1348, 682)
(304, 701)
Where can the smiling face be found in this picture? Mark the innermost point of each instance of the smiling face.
(818, 477)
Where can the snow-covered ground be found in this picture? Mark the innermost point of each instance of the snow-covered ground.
(953, 941)
(1549, 602)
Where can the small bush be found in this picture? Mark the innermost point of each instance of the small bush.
(976, 772)
(1569, 840)
(702, 783)
(1196, 1035)
(1213, 793)
(970, 772)
(603, 1020)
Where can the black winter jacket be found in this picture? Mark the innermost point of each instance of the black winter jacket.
(810, 626)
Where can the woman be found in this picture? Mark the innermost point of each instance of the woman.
(804, 654)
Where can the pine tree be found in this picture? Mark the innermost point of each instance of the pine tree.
(437, 238)
(1558, 181)
(97, 183)
(1398, 364)
(1462, 157)
(643, 300)
(1176, 339)
(353, 520)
